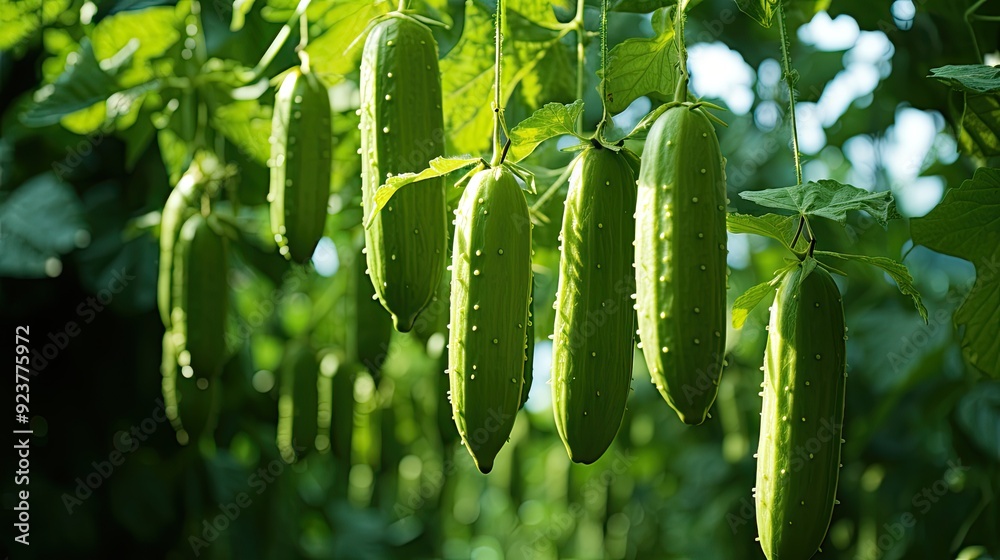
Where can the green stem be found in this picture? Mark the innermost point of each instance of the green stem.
(552, 189)
(497, 146)
(968, 23)
(303, 43)
(278, 42)
(402, 5)
(790, 79)
(681, 93)
(581, 59)
(604, 67)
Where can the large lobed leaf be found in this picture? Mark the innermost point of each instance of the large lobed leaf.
(966, 224)
(828, 199)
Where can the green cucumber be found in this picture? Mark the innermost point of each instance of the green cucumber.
(594, 329)
(402, 128)
(490, 290)
(680, 257)
(301, 164)
(801, 425)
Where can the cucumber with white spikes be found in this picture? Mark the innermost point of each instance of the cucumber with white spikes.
(595, 324)
(680, 257)
(529, 348)
(181, 203)
(301, 169)
(402, 128)
(490, 290)
(200, 297)
(298, 402)
(801, 425)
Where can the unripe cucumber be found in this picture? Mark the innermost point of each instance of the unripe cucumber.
(529, 348)
(298, 402)
(801, 425)
(200, 298)
(190, 403)
(301, 164)
(491, 284)
(180, 204)
(402, 128)
(593, 344)
(680, 256)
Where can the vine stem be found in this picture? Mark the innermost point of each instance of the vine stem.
(581, 59)
(680, 94)
(604, 67)
(497, 118)
(790, 79)
(278, 42)
(553, 188)
(968, 23)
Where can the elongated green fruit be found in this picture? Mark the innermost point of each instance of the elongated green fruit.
(200, 298)
(301, 168)
(490, 287)
(191, 404)
(801, 425)
(402, 128)
(180, 204)
(529, 348)
(680, 257)
(298, 401)
(594, 327)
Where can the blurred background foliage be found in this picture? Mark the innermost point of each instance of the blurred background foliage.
(88, 154)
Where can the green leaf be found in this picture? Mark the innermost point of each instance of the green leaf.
(535, 49)
(247, 124)
(640, 6)
(80, 86)
(39, 221)
(524, 175)
(964, 225)
(896, 270)
(970, 78)
(751, 298)
(827, 199)
(550, 121)
(643, 66)
(781, 228)
(439, 166)
(150, 32)
(467, 82)
(335, 50)
(21, 19)
(979, 132)
(762, 11)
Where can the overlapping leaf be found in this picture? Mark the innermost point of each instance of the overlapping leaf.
(643, 66)
(966, 224)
